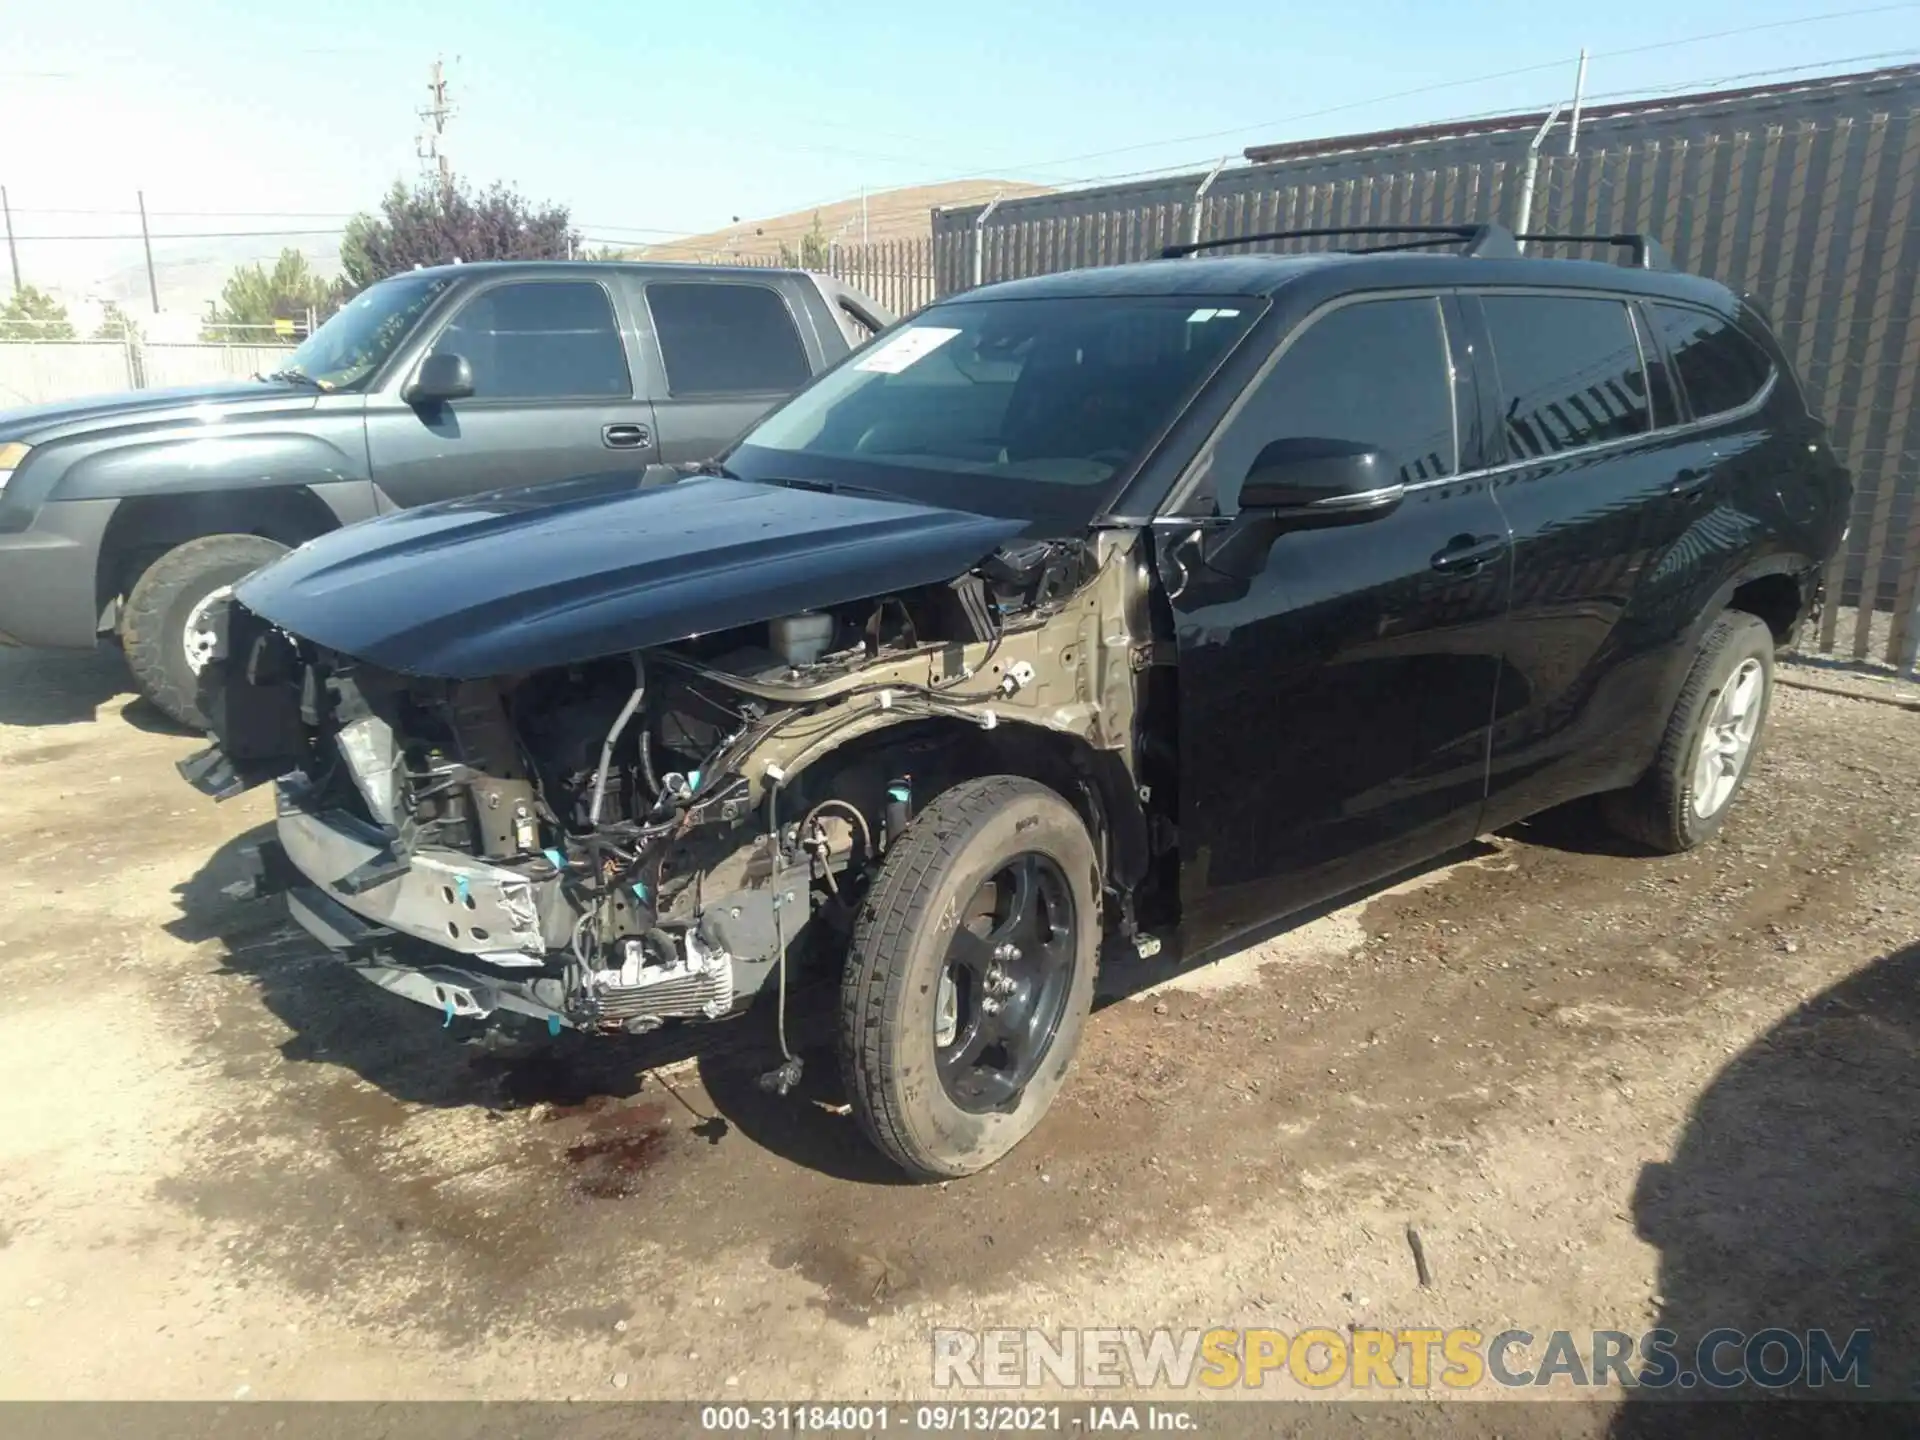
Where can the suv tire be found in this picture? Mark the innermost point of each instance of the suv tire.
(1711, 741)
(166, 610)
(970, 976)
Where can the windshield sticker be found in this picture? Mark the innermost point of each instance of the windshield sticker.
(1200, 317)
(904, 349)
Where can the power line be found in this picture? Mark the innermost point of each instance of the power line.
(190, 235)
(1652, 92)
(1431, 89)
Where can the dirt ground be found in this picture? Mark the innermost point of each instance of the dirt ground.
(1608, 1090)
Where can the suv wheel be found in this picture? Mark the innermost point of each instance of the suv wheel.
(165, 629)
(970, 976)
(1710, 742)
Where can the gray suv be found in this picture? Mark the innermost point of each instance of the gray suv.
(132, 515)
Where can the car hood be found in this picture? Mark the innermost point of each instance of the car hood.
(558, 574)
(36, 424)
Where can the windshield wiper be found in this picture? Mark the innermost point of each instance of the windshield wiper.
(296, 377)
(715, 469)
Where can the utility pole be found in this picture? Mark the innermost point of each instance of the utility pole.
(1579, 95)
(13, 252)
(146, 241)
(434, 127)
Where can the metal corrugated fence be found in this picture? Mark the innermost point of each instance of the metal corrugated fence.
(1814, 218)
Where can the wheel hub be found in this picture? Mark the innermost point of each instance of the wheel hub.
(1005, 984)
(200, 639)
(1726, 741)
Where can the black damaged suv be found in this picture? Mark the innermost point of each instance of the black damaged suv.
(1112, 606)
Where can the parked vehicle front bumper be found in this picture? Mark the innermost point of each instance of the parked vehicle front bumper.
(47, 576)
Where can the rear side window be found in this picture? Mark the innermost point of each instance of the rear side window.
(1719, 368)
(1570, 372)
(726, 339)
(1375, 373)
(540, 340)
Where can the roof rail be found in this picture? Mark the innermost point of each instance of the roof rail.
(1490, 241)
(1647, 252)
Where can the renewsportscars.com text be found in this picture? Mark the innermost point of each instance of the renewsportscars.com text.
(1418, 1359)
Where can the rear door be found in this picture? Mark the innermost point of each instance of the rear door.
(1600, 502)
(1334, 710)
(553, 397)
(728, 351)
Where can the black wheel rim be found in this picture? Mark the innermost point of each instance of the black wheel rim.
(1004, 984)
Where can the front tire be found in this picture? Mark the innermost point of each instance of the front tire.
(970, 976)
(163, 629)
(1711, 741)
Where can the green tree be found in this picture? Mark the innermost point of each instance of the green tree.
(34, 315)
(116, 324)
(815, 249)
(255, 295)
(436, 223)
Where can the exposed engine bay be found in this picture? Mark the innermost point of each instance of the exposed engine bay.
(650, 837)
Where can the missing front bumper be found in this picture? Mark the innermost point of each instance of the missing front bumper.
(443, 898)
(368, 950)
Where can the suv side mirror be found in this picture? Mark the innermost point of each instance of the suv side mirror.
(441, 376)
(1321, 480)
(1303, 485)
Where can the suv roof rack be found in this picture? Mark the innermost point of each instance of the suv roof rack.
(1647, 252)
(1488, 241)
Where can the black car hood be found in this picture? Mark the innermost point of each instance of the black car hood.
(557, 574)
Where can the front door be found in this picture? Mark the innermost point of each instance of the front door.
(553, 398)
(1334, 711)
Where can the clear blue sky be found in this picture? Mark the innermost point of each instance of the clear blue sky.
(678, 117)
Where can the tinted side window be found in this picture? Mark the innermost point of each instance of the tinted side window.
(722, 339)
(542, 340)
(1375, 373)
(1570, 372)
(1720, 369)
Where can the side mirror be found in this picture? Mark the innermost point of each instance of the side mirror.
(1301, 485)
(1312, 477)
(441, 376)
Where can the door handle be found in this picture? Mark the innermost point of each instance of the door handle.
(624, 437)
(1466, 553)
(1690, 479)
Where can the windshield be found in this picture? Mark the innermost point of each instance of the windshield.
(1030, 394)
(346, 350)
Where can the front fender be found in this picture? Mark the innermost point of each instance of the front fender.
(195, 464)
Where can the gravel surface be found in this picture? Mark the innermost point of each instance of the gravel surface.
(1609, 1091)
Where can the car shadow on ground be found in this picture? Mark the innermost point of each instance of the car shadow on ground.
(413, 1055)
(68, 687)
(1577, 828)
(1792, 1202)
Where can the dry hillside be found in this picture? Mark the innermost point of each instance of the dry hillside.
(891, 215)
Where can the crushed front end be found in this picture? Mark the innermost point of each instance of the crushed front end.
(646, 838)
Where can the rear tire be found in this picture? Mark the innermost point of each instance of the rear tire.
(970, 976)
(162, 629)
(1711, 742)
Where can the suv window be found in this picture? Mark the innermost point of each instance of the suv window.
(1570, 372)
(540, 340)
(1719, 368)
(724, 339)
(1375, 373)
